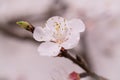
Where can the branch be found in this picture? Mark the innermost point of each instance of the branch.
(81, 64)
(79, 61)
(83, 75)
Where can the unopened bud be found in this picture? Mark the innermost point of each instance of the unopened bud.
(26, 25)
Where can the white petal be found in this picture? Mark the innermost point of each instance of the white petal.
(40, 34)
(49, 49)
(72, 41)
(56, 23)
(77, 25)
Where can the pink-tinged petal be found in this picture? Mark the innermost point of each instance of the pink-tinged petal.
(49, 49)
(74, 76)
(40, 34)
(77, 25)
(72, 41)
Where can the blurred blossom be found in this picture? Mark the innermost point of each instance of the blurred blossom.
(58, 33)
(74, 76)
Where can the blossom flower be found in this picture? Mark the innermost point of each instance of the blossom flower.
(74, 76)
(58, 33)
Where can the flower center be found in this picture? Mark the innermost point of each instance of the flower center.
(60, 33)
(57, 26)
(59, 29)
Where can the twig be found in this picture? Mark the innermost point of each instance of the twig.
(81, 64)
(65, 54)
(83, 75)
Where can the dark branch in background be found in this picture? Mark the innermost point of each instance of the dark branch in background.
(85, 49)
(7, 32)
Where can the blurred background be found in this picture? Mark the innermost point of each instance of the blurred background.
(99, 44)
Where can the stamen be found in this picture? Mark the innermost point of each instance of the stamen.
(57, 26)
